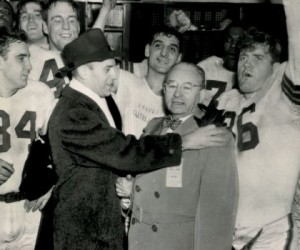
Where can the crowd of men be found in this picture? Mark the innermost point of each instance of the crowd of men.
(189, 156)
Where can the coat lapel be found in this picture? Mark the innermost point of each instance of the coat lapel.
(78, 97)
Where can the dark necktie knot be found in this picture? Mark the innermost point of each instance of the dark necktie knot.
(168, 122)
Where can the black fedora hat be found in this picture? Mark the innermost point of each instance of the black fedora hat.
(91, 46)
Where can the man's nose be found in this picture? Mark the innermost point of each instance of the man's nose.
(28, 65)
(178, 90)
(31, 18)
(66, 25)
(113, 73)
(164, 51)
(233, 44)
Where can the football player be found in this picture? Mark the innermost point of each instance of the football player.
(25, 107)
(265, 119)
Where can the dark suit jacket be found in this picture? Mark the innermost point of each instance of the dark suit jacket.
(88, 155)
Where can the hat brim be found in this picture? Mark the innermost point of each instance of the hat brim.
(66, 70)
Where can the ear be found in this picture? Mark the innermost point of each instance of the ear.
(275, 65)
(201, 96)
(179, 58)
(83, 72)
(147, 50)
(45, 28)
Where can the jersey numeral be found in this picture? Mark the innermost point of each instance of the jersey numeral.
(48, 72)
(5, 146)
(29, 117)
(221, 86)
(247, 133)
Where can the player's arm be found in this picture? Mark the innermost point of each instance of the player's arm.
(102, 17)
(291, 85)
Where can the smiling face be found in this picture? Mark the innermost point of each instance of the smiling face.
(254, 67)
(15, 66)
(182, 90)
(31, 21)
(163, 53)
(62, 25)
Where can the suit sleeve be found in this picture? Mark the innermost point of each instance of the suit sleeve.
(216, 212)
(86, 136)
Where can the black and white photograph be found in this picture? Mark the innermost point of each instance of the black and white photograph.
(149, 124)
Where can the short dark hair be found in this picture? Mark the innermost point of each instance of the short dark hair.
(254, 37)
(72, 3)
(166, 31)
(8, 37)
(22, 3)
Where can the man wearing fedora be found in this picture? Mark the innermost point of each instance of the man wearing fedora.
(89, 153)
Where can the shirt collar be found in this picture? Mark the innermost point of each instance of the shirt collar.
(76, 85)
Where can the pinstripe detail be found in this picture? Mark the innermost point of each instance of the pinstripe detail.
(291, 90)
(127, 65)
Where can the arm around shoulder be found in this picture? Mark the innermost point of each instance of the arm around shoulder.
(84, 134)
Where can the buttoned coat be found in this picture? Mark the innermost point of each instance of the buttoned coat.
(88, 155)
(200, 214)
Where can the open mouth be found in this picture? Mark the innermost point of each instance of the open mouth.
(177, 103)
(32, 29)
(66, 36)
(163, 61)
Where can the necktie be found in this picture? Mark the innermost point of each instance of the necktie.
(112, 106)
(168, 122)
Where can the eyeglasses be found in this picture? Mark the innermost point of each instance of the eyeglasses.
(186, 87)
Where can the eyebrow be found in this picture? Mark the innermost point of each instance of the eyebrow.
(63, 17)
(171, 81)
(172, 44)
(35, 11)
(23, 55)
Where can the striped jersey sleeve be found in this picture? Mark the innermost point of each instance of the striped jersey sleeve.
(291, 90)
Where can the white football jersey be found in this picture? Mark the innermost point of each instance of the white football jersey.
(217, 78)
(137, 103)
(267, 129)
(22, 116)
(45, 64)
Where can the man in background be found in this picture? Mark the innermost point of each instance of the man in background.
(6, 15)
(140, 99)
(30, 19)
(61, 24)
